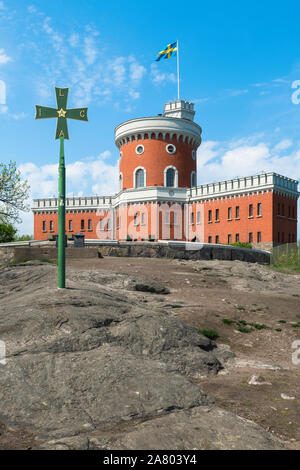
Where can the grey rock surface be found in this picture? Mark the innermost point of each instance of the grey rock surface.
(91, 366)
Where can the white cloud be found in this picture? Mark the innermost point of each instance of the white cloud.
(218, 161)
(4, 58)
(93, 175)
(2, 92)
(158, 76)
(90, 50)
(237, 92)
(283, 145)
(137, 71)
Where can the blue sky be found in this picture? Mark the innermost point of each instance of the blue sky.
(238, 61)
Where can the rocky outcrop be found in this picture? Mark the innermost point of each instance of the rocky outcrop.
(91, 366)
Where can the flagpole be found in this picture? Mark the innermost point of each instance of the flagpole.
(178, 68)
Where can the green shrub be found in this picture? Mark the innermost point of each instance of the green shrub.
(242, 322)
(244, 329)
(211, 334)
(278, 329)
(259, 326)
(228, 321)
(281, 321)
(239, 307)
(242, 245)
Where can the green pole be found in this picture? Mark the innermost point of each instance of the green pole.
(61, 216)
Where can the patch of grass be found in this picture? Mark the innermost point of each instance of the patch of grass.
(259, 326)
(295, 325)
(228, 321)
(211, 334)
(47, 260)
(281, 321)
(242, 244)
(239, 307)
(254, 305)
(278, 329)
(242, 322)
(244, 329)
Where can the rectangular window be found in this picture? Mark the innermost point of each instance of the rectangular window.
(108, 224)
(278, 209)
(192, 218)
(209, 216)
(250, 210)
(229, 239)
(175, 218)
(237, 212)
(198, 217)
(259, 209)
(237, 237)
(258, 237)
(44, 226)
(167, 218)
(143, 218)
(102, 224)
(90, 224)
(135, 219)
(250, 237)
(217, 214)
(209, 239)
(82, 224)
(217, 238)
(70, 225)
(229, 213)
(51, 225)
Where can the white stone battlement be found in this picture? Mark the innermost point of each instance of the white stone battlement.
(265, 181)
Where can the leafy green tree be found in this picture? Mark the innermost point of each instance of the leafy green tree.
(14, 193)
(7, 232)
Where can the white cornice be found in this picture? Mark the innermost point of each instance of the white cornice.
(129, 130)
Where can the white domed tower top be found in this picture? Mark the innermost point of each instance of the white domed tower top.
(180, 109)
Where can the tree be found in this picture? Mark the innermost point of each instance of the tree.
(14, 193)
(7, 233)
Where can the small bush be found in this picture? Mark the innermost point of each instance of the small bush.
(239, 307)
(244, 329)
(228, 321)
(242, 322)
(295, 325)
(242, 245)
(211, 334)
(278, 329)
(259, 326)
(281, 321)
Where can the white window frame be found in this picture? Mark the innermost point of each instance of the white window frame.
(173, 149)
(145, 176)
(136, 149)
(176, 176)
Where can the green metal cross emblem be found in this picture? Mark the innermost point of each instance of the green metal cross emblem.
(61, 113)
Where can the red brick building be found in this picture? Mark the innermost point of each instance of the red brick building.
(159, 199)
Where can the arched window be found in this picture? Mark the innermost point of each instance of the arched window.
(139, 178)
(170, 177)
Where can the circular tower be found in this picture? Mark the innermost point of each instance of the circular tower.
(160, 150)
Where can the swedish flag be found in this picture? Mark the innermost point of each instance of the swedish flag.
(167, 52)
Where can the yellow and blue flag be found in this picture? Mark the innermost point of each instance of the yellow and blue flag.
(167, 52)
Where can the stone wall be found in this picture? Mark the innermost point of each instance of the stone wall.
(175, 250)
